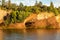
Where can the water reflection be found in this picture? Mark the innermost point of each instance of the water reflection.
(47, 34)
(14, 34)
(41, 35)
(58, 35)
(36, 34)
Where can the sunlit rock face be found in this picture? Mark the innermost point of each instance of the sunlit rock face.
(58, 20)
(44, 19)
(32, 17)
(40, 23)
(52, 21)
(44, 15)
(2, 14)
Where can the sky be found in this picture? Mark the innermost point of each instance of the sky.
(32, 2)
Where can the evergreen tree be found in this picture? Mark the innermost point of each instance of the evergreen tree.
(21, 7)
(51, 7)
(40, 4)
(36, 3)
(9, 3)
(3, 2)
(21, 4)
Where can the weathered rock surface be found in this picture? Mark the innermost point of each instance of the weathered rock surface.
(44, 19)
(17, 26)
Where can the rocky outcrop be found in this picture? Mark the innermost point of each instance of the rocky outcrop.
(46, 23)
(17, 26)
(44, 20)
(58, 20)
(52, 21)
(40, 23)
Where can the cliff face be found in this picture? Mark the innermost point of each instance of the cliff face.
(58, 20)
(2, 14)
(40, 23)
(44, 20)
(53, 22)
(49, 19)
(46, 23)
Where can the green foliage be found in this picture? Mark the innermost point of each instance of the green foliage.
(13, 15)
(38, 4)
(13, 7)
(21, 5)
(56, 11)
(7, 20)
(51, 7)
(16, 16)
(44, 8)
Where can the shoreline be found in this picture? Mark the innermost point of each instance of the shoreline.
(1, 28)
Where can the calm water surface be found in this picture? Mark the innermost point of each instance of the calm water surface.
(36, 34)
